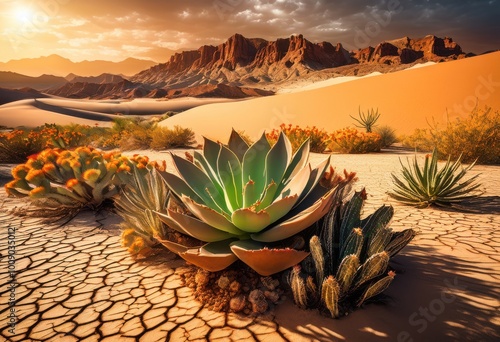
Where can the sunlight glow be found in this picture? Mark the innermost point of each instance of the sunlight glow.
(23, 14)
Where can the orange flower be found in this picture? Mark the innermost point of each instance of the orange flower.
(72, 183)
(35, 176)
(20, 171)
(91, 175)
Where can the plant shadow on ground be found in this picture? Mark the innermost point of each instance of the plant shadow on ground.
(435, 296)
(5, 173)
(480, 205)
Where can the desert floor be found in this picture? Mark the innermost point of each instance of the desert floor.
(76, 283)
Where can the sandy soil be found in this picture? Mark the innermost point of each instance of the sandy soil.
(77, 282)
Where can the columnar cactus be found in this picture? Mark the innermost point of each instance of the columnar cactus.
(351, 257)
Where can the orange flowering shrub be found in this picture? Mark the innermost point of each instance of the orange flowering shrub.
(319, 138)
(63, 137)
(17, 145)
(82, 177)
(350, 140)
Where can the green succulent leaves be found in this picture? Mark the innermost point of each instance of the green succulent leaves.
(429, 185)
(257, 193)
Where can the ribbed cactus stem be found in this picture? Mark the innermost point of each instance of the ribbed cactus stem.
(353, 244)
(399, 240)
(377, 287)
(373, 267)
(298, 288)
(351, 216)
(330, 293)
(379, 241)
(346, 272)
(318, 257)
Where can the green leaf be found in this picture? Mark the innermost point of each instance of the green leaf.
(179, 186)
(193, 227)
(230, 175)
(237, 144)
(295, 224)
(249, 220)
(281, 207)
(299, 160)
(254, 166)
(211, 217)
(200, 183)
(278, 159)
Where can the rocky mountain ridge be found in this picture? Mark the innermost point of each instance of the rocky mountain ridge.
(256, 62)
(233, 67)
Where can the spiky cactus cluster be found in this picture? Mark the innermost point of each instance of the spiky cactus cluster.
(350, 257)
(81, 177)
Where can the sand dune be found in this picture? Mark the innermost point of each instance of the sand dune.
(407, 100)
(31, 112)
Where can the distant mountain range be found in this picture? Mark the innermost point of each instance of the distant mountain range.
(229, 69)
(60, 66)
(256, 62)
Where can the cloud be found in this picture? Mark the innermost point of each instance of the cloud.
(173, 25)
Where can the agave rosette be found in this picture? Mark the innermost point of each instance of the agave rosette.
(244, 200)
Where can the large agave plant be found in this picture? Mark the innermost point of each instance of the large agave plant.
(244, 200)
(429, 185)
(349, 257)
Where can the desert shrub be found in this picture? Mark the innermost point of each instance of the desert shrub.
(17, 145)
(350, 140)
(349, 261)
(77, 178)
(134, 133)
(429, 185)
(387, 136)
(474, 137)
(318, 138)
(419, 140)
(165, 138)
(64, 136)
(368, 120)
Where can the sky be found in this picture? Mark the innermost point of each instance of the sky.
(152, 29)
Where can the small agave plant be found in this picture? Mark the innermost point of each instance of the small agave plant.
(244, 201)
(83, 177)
(429, 185)
(145, 192)
(349, 257)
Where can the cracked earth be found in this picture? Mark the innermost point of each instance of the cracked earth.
(76, 283)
